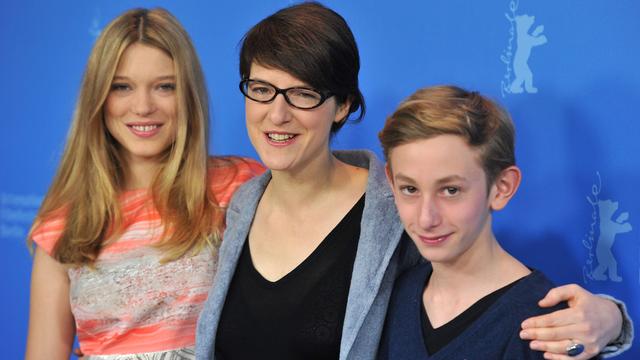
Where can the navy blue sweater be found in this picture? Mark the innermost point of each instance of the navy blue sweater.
(494, 335)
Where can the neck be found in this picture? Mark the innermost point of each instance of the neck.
(302, 187)
(483, 268)
(140, 174)
(470, 269)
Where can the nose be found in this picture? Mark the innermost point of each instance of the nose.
(142, 103)
(280, 110)
(429, 214)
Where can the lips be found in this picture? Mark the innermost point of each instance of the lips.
(280, 138)
(434, 239)
(144, 130)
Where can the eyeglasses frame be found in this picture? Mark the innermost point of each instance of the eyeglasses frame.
(324, 95)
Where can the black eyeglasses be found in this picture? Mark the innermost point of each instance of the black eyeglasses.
(298, 97)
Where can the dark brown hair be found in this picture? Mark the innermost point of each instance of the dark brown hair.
(450, 110)
(314, 44)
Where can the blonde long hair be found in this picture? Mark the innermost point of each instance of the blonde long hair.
(90, 175)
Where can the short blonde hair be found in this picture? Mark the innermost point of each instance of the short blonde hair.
(90, 174)
(450, 110)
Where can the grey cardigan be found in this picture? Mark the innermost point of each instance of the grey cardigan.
(380, 258)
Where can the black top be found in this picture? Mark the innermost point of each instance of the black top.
(436, 339)
(299, 316)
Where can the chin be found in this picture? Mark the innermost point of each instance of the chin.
(271, 163)
(276, 166)
(278, 162)
(435, 255)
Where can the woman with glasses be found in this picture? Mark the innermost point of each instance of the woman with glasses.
(127, 234)
(314, 245)
(287, 297)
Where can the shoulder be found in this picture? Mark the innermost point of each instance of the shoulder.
(516, 348)
(236, 166)
(522, 299)
(500, 323)
(414, 276)
(226, 174)
(401, 337)
(530, 289)
(412, 280)
(409, 286)
(47, 231)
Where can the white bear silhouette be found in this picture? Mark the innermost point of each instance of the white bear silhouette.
(524, 43)
(608, 231)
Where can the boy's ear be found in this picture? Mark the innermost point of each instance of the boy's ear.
(504, 187)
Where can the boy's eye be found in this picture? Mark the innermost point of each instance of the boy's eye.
(408, 189)
(450, 191)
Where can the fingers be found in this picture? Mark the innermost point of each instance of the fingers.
(580, 331)
(554, 333)
(560, 293)
(551, 356)
(555, 319)
(558, 328)
(583, 356)
(553, 341)
(557, 350)
(589, 320)
(555, 347)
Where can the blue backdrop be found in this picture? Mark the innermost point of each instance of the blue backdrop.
(567, 71)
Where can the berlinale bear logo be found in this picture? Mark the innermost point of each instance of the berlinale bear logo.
(518, 62)
(603, 214)
(525, 42)
(608, 231)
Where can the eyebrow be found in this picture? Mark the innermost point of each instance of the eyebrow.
(444, 180)
(159, 78)
(451, 178)
(302, 85)
(404, 178)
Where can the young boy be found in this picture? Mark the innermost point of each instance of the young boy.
(450, 162)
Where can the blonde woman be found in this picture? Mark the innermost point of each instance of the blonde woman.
(127, 234)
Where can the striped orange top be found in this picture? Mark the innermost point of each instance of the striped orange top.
(130, 303)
